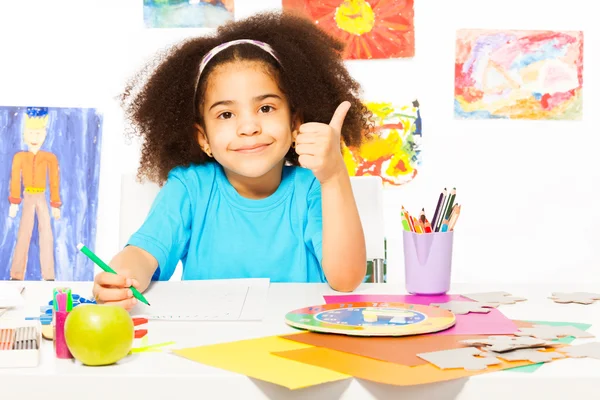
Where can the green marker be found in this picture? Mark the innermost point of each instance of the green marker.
(106, 268)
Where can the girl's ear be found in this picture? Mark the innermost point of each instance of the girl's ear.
(203, 139)
(296, 123)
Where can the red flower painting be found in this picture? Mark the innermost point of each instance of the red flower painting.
(370, 29)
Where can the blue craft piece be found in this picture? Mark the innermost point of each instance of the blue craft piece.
(77, 300)
(46, 312)
(43, 320)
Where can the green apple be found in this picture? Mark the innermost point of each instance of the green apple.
(99, 334)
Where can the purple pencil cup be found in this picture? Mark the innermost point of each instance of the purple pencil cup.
(427, 262)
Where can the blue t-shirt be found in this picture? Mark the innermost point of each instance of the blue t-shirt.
(199, 218)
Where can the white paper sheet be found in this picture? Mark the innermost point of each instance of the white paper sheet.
(206, 300)
(10, 296)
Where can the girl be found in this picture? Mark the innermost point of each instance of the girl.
(242, 130)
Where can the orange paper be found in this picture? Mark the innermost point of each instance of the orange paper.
(384, 372)
(398, 350)
(253, 358)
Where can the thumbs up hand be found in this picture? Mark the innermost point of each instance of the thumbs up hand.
(318, 145)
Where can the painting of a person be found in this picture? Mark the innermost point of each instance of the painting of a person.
(33, 173)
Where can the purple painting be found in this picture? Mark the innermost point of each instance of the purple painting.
(49, 174)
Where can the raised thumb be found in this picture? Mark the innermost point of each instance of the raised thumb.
(339, 115)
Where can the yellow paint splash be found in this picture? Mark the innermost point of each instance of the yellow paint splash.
(355, 16)
(386, 152)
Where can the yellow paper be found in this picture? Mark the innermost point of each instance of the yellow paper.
(253, 358)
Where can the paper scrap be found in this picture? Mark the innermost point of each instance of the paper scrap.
(253, 358)
(460, 358)
(465, 307)
(575, 297)
(494, 297)
(507, 343)
(591, 350)
(565, 340)
(533, 355)
(553, 332)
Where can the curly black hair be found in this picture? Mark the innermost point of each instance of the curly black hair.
(162, 110)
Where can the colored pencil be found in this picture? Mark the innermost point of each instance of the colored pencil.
(422, 219)
(106, 268)
(417, 225)
(436, 214)
(438, 223)
(410, 222)
(444, 227)
(404, 220)
(427, 227)
(450, 203)
(454, 217)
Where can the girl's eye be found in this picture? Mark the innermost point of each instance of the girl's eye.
(225, 115)
(266, 109)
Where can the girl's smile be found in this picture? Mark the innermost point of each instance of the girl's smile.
(252, 148)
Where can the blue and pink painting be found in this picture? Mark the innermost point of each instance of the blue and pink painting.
(49, 177)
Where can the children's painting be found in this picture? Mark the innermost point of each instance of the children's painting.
(518, 74)
(187, 13)
(393, 150)
(370, 29)
(49, 173)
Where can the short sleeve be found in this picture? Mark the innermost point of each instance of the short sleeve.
(166, 231)
(314, 223)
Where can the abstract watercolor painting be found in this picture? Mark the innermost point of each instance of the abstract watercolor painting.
(187, 13)
(518, 74)
(393, 150)
(370, 29)
(49, 172)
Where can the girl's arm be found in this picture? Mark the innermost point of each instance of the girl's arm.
(344, 253)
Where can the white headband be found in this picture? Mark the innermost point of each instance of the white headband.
(216, 50)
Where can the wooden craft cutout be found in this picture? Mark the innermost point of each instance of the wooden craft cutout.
(533, 355)
(459, 358)
(501, 344)
(48, 332)
(575, 297)
(553, 332)
(591, 350)
(494, 297)
(465, 307)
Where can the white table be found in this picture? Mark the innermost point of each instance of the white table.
(163, 375)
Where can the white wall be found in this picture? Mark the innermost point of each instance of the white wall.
(528, 188)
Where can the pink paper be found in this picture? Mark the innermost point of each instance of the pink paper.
(492, 323)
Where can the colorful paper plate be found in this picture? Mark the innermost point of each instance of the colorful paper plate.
(372, 319)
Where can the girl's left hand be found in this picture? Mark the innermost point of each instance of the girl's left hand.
(318, 145)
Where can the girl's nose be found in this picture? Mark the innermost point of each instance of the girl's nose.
(248, 127)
